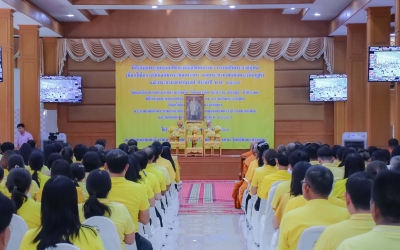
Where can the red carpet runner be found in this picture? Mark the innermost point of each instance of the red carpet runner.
(207, 197)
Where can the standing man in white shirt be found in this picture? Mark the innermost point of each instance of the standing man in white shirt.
(23, 136)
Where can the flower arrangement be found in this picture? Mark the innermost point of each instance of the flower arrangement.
(210, 134)
(175, 135)
(217, 129)
(194, 130)
(171, 129)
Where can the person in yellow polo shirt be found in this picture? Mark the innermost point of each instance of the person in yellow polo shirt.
(16, 161)
(385, 207)
(177, 168)
(353, 163)
(163, 162)
(60, 211)
(151, 178)
(325, 158)
(129, 193)
(335, 149)
(98, 184)
(282, 174)
(62, 167)
(358, 197)
(36, 161)
(157, 152)
(18, 184)
(269, 158)
(299, 171)
(312, 151)
(317, 186)
(284, 187)
(149, 152)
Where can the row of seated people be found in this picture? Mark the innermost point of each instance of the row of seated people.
(352, 194)
(56, 192)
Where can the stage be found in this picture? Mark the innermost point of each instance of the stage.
(225, 167)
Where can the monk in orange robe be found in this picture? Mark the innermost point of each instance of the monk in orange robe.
(238, 189)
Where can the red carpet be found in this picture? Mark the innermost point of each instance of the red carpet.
(208, 197)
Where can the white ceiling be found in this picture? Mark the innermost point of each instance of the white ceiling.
(60, 9)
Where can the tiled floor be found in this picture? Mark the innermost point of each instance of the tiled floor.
(211, 232)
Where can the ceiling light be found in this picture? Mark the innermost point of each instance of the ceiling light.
(317, 14)
(70, 15)
(232, 6)
(292, 8)
(392, 34)
(154, 7)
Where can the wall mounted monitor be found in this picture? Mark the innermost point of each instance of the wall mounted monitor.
(328, 88)
(384, 64)
(61, 89)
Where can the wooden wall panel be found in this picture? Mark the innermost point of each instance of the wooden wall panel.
(89, 64)
(299, 112)
(98, 96)
(101, 79)
(196, 23)
(294, 78)
(301, 64)
(91, 113)
(292, 96)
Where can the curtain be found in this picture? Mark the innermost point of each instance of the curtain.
(194, 48)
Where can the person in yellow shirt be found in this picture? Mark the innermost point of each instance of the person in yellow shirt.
(284, 187)
(325, 158)
(166, 157)
(4, 161)
(3, 188)
(385, 207)
(269, 159)
(317, 186)
(7, 209)
(99, 185)
(78, 176)
(141, 158)
(346, 152)
(298, 174)
(352, 164)
(312, 151)
(60, 211)
(176, 163)
(129, 193)
(16, 161)
(79, 151)
(18, 183)
(132, 174)
(373, 168)
(358, 197)
(335, 149)
(160, 161)
(36, 161)
(91, 161)
(282, 174)
(62, 167)
(149, 152)
(157, 153)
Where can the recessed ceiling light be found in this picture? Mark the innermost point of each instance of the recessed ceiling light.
(232, 6)
(154, 7)
(317, 14)
(292, 8)
(70, 15)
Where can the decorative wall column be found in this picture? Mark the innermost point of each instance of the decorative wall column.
(355, 119)
(396, 117)
(378, 93)
(29, 62)
(340, 44)
(50, 63)
(7, 86)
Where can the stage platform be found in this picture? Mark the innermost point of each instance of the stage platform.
(225, 167)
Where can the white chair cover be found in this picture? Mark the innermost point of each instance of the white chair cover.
(107, 230)
(267, 230)
(63, 246)
(265, 210)
(18, 229)
(309, 237)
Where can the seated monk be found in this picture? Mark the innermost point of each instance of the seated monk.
(240, 186)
